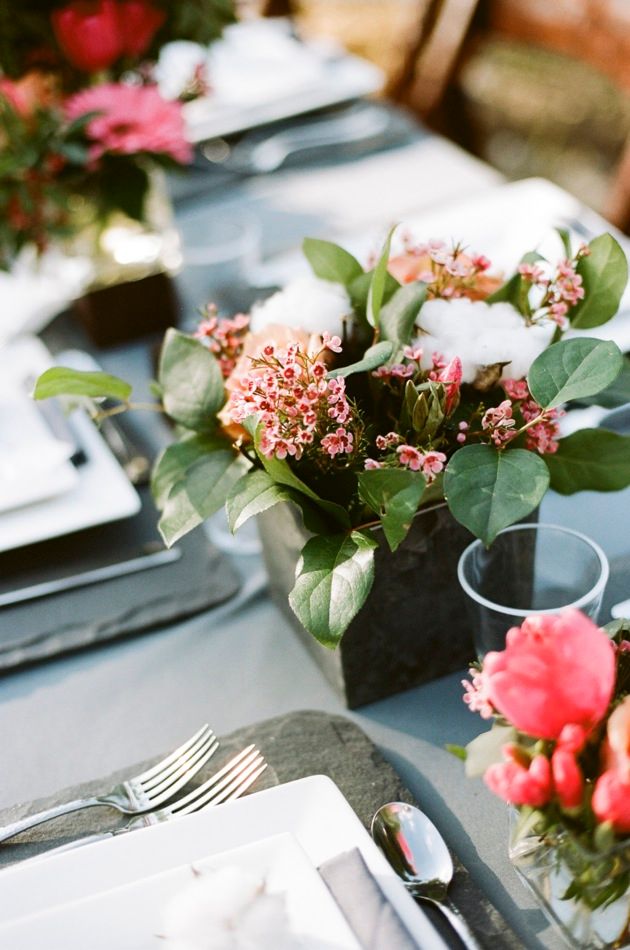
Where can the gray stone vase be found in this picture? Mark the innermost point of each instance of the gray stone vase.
(413, 627)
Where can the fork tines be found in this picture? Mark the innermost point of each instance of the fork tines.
(165, 779)
(229, 782)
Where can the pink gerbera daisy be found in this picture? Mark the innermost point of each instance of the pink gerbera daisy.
(131, 119)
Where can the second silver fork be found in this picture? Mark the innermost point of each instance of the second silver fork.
(141, 793)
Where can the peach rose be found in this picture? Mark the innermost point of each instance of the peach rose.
(409, 266)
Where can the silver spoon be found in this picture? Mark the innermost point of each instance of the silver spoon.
(417, 852)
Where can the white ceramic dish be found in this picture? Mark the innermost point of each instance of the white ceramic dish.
(98, 492)
(501, 222)
(312, 809)
(260, 74)
(130, 916)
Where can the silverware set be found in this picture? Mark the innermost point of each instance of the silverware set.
(142, 795)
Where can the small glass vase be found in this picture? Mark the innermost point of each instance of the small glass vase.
(130, 292)
(548, 864)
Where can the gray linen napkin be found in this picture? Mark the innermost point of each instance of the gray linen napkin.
(369, 913)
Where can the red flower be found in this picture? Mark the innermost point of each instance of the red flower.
(139, 22)
(89, 33)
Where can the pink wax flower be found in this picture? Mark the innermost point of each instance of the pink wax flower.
(132, 120)
(611, 800)
(555, 670)
(519, 782)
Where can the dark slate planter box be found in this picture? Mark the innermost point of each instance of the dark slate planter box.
(413, 627)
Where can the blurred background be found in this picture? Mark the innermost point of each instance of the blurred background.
(537, 88)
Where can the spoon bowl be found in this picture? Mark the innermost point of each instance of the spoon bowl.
(417, 852)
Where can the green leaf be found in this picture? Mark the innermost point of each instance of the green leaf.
(572, 369)
(253, 494)
(202, 491)
(485, 750)
(457, 750)
(590, 459)
(565, 237)
(359, 290)
(615, 395)
(487, 489)
(393, 494)
(377, 286)
(331, 262)
(61, 381)
(334, 576)
(398, 316)
(281, 472)
(604, 277)
(173, 463)
(373, 357)
(191, 381)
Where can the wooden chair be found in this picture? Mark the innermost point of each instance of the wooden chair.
(593, 31)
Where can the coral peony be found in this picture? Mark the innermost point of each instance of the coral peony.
(133, 119)
(611, 800)
(555, 670)
(520, 783)
(618, 740)
(88, 33)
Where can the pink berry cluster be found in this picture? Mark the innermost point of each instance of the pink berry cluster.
(223, 337)
(301, 408)
(562, 290)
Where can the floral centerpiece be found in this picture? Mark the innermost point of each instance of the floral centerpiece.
(559, 753)
(365, 397)
(82, 113)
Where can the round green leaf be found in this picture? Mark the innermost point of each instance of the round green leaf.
(191, 381)
(487, 489)
(333, 579)
(590, 459)
(604, 274)
(62, 381)
(573, 369)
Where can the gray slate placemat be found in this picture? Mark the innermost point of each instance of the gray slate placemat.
(295, 745)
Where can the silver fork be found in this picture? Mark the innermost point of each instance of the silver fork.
(228, 783)
(141, 793)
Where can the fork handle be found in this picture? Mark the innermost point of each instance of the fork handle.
(16, 827)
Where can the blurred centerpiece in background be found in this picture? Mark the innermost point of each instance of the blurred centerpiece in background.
(86, 133)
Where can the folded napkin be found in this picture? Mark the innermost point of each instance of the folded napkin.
(375, 923)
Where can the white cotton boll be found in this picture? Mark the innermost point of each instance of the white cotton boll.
(309, 303)
(177, 65)
(481, 335)
(226, 909)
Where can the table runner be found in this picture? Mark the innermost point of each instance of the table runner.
(294, 745)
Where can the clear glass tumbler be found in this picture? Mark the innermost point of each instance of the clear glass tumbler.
(529, 569)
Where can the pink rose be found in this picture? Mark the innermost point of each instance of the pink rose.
(554, 671)
(568, 780)
(611, 800)
(518, 782)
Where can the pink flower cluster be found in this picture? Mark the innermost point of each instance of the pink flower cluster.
(298, 404)
(543, 436)
(555, 681)
(131, 120)
(223, 337)
(430, 463)
(448, 270)
(562, 291)
(499, 423)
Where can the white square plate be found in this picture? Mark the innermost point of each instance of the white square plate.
(131, 916)
(99, 490)
(312, 809)
(260, 73)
